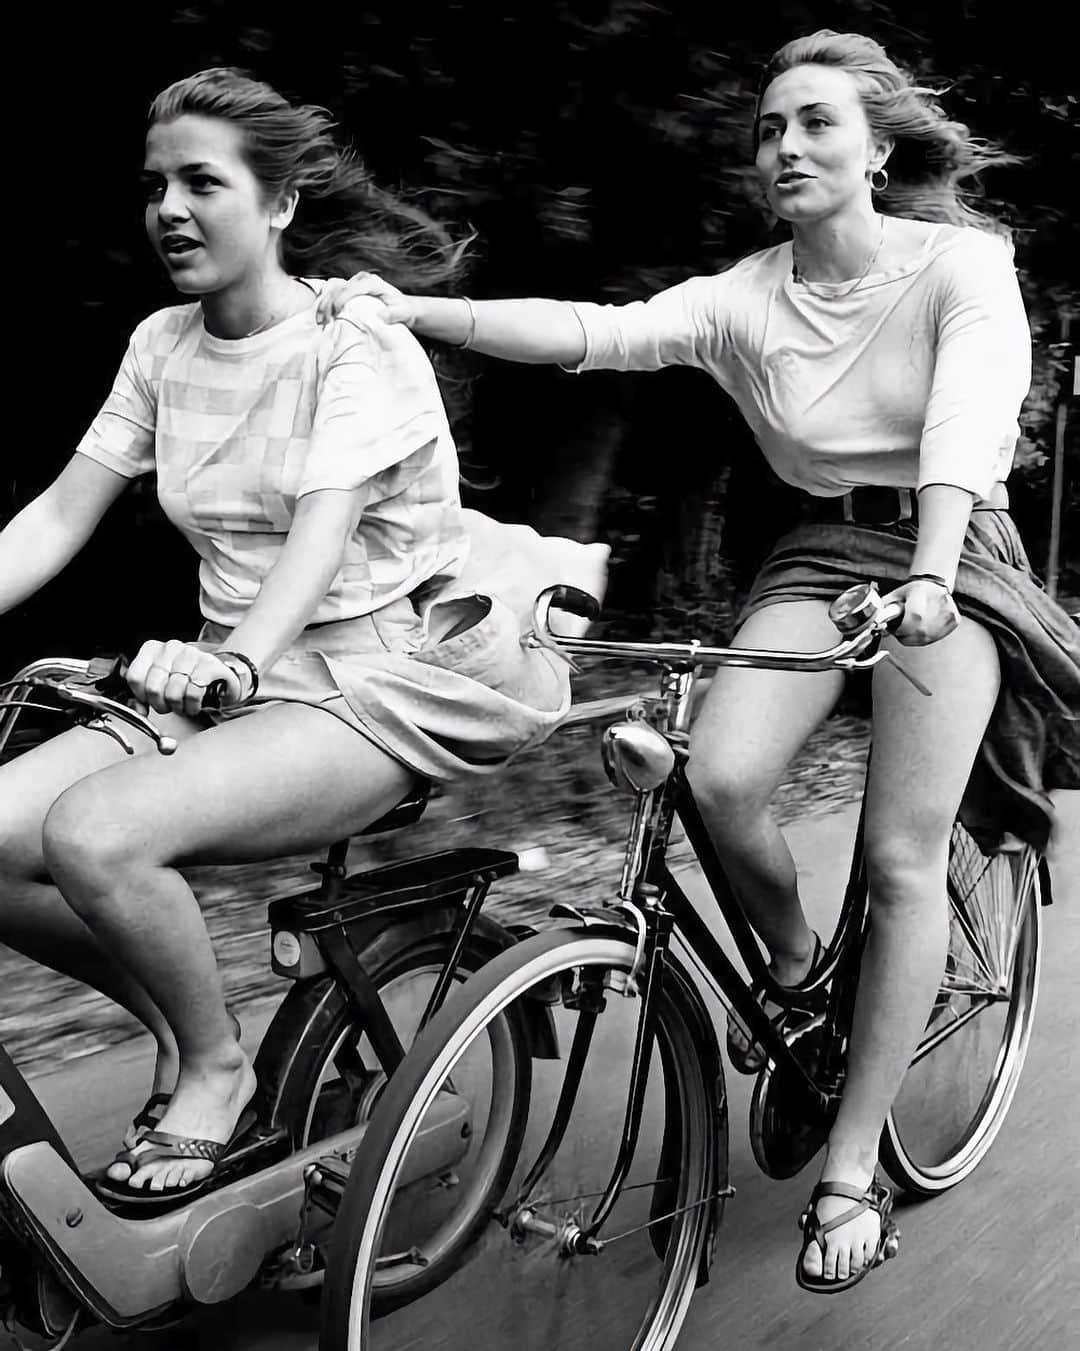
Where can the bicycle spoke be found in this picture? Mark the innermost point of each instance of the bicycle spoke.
(940, 1035)
(535, 1277)
(663, 1219)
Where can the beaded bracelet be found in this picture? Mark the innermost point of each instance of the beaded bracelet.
(245, 661)
(930, 577)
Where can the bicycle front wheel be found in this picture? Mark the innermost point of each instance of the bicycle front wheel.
(320, 1074)
(522, 1285)
(961, 1082)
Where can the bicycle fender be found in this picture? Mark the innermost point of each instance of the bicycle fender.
(680, 988)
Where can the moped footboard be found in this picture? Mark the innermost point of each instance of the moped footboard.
(22, 1118)
(126, 1270)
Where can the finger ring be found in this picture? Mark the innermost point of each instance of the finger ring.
(156, 666)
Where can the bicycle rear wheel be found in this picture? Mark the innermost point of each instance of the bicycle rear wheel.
(519, 1287)
(320, 1074)
(962, 1079)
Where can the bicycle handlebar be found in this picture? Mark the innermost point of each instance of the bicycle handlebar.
(860, 611)
(98, 685)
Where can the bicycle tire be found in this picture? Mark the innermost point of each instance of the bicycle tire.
(316, 1022)
(954, 1098)
(679, 1221)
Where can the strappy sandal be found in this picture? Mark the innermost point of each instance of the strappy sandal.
(164, 1146)
(876, 1197)
(749, 1059)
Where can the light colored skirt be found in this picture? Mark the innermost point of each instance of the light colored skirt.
(448, 707)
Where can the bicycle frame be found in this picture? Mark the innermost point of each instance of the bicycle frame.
(652, 898)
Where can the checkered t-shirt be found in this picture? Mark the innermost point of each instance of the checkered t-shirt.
(237, 431)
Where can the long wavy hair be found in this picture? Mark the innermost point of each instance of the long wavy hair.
(934, 158)
(344, 221)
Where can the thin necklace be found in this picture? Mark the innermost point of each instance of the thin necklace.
(267, 323)
(842, 295)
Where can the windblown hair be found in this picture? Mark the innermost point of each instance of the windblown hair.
(933, 157)
(344, 222)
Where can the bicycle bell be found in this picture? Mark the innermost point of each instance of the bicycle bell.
(856, 606)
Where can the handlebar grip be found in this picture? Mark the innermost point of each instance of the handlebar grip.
(108, 675)
(893, 614)
(215, 693)
(575, 602)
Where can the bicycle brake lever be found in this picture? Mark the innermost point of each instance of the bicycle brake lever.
(885, 654)
(100, 725)
(889, 655)
(166, 745)
(533, 638)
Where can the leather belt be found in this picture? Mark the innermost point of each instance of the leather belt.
(873, 505)
(870, 505)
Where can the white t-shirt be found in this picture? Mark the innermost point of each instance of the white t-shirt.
(239, 430)
(915, 377)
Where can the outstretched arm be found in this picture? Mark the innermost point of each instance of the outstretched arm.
(684, 325)
(535, 331)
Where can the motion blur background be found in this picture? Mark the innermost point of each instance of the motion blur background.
(600, 149)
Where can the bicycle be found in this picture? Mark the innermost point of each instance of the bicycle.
(602, 1235)
(369, 956)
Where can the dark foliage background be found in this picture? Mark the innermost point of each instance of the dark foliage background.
(599, 149)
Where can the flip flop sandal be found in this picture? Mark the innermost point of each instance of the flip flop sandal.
(750, 1059)
(147, 1118)
(876, 1197)
(163, 1145)
(154, 1108)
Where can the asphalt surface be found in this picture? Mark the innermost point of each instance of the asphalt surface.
(990, 1266)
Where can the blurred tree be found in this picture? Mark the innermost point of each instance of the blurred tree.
(599, 149)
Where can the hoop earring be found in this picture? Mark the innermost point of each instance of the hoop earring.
(879, 187)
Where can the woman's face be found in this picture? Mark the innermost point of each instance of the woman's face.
(815, 146)
(206, 216)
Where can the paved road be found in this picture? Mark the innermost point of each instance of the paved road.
(990, 1266)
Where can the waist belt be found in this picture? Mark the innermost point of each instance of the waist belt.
(872, 505)
(866, 506)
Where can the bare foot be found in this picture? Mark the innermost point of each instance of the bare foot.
(206, 1105)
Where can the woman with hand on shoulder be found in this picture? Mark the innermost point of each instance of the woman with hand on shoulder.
(313, 471)
(880, 357)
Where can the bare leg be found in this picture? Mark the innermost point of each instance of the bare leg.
(34, 918)
(923, 752)
(749, 729)
(282, 780)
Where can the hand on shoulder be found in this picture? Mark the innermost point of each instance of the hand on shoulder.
(369, 295)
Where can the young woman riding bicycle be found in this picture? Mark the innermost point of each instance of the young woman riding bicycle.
(314, 473)
(881, 358)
